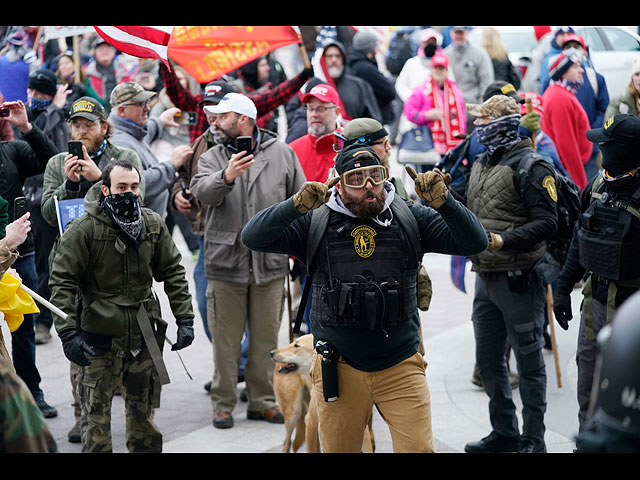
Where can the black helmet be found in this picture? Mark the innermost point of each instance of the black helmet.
(616, 388)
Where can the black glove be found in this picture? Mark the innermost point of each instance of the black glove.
(562, 309)
(185, 333)
(307, 73)
(75, 348)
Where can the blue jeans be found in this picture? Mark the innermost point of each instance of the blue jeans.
(23, 340)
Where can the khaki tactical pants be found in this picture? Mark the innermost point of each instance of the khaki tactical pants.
(400, 393)
(231, 307)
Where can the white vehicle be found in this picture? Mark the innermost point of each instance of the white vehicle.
(519, 41)
(613, 50)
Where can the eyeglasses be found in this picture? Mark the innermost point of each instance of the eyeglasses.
(358, 177)
(83, 125)
(321, 110)
(142, 105)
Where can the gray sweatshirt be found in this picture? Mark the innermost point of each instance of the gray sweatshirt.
(159, 176)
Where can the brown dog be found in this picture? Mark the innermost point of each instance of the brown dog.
(292, 386)
(294, 394)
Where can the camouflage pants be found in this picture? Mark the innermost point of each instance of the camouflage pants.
(96, 384)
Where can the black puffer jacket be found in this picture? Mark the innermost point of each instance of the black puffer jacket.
(20, 159)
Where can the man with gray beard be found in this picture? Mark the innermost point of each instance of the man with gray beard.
(356, 95)
(315, 149)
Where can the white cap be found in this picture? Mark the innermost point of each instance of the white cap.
(234, 102)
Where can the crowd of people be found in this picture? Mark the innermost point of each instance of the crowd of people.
(263, 171)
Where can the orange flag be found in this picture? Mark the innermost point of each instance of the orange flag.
(14, 302)
(207, 53)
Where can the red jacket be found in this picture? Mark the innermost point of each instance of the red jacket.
(566, 122)
(315, 155)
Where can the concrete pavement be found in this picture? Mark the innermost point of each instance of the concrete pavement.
(459, 409)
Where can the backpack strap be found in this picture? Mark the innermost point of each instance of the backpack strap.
(595, 194)
(317, 227)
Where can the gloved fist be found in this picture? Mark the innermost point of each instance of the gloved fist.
(185, 334)
(562, 309)
(495, 241)
(313, 195)
(75, 348)
(531, 121)
(307, 73)
(431, 186)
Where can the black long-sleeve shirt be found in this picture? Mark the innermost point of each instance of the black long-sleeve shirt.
(451, 229)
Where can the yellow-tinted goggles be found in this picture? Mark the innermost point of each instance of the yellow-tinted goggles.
(358, 177)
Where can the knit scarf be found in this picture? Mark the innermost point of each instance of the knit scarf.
(567, 85)
(444, 131)
(502, 132)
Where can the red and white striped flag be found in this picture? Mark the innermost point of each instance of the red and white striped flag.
(141, 42)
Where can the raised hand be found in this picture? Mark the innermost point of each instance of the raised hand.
(313, 195)
(431, 186)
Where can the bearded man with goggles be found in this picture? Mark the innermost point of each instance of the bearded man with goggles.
(604, 248)
(363, 245)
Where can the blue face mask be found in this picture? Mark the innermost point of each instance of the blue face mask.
(39, 103)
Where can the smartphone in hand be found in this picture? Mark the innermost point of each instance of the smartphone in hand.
(244, 143)
(75, 148)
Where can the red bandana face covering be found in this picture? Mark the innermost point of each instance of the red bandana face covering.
(444, 131)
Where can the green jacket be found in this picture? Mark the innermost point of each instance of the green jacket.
(623, 103)
(95, 269)
(55, 181)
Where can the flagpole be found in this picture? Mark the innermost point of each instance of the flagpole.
(44, 302)
(303, 53)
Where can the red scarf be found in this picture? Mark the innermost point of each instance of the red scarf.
(444, 131)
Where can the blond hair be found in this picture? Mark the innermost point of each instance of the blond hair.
(492, 43)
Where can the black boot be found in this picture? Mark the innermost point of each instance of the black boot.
(494, 443)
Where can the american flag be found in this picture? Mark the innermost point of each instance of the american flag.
(141, 42)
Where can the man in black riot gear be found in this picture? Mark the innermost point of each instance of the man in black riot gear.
(604, 247)
(614, 398)
(362, 245)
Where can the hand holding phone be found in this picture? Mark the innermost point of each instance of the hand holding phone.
(244, 144)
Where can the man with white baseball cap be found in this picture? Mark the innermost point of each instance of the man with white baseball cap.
(236, 103)
(235, 182)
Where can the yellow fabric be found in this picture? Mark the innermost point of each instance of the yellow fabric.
(15, 302)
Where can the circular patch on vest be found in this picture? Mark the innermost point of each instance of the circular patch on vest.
(363, 241)
(549, 183)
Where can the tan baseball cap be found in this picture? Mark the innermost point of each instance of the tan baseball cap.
(495, 107)
(129, 92)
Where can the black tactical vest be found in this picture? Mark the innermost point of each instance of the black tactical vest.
(365, 275)
(609, 234)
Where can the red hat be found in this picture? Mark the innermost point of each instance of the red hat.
(324, 93)
(536, 103)
(572, 37)
(440, 60)
(541, 32)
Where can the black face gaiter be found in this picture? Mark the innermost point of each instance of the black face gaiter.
(430, 50)
(124, 210)
(619, 158)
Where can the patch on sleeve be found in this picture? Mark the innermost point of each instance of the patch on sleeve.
(549, 183)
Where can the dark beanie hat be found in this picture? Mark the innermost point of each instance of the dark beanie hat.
(43, 81)
(619, 140)
(356, 156)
